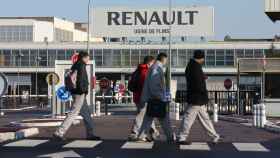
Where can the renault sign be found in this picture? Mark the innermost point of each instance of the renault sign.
(133, 22)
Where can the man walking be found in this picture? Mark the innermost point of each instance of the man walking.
(155, 89)
(197, 98)
(80, 103)
(138, 80)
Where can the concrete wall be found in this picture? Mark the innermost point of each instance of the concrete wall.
(43, 30)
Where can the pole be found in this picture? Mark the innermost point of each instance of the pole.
(88, 34)
(169, 44)
(93, 59)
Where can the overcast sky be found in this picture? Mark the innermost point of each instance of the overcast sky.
(238, 18)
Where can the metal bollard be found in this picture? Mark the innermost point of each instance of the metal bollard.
(215, 113)
(262, 116)
(177, 111)
(255, 115)
(98, 108)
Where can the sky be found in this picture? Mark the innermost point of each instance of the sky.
(237, 18)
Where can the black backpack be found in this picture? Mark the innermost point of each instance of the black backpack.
(70, 80)
(133, 84)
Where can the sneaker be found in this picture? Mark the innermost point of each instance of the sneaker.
(93, 138)
(132, 137)
(184, 142)
(58, 138)
(216, 140)
(142, 140)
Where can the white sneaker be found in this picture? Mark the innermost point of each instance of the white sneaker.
(216, 140)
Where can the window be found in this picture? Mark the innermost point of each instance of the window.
(249, 53)
(173, 57)
(182, 58)
(107, 57)
(258, 53)
(43, 60)
(135, 57)
(220, 57)
(25, 58)
(51, 57)
(239, 53)
(61, 55)
(154, 52)
(143, 54)
(117, 57)
(229, 58)
(98, 57)
(210, 58)
(33, 57)
(126, 57)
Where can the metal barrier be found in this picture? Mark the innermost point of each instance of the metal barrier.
(19, 101)
(106, 100)
(226, 101)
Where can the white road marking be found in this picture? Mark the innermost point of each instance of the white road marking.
(26, 143)
(62, 154)
(250, 147)
(195, 146)
(136, 145)
(82, 144)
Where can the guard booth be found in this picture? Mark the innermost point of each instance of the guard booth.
(269, 71)
(61, 67)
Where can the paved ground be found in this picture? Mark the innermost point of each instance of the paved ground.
(240, 141)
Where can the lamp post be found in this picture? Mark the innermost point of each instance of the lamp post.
(169, 47)
(20, 55)
(92, 94)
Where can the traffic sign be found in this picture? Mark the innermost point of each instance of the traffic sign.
(104, 83)
(62, 94)
(52, 78)
(228, 84)
(3, 84)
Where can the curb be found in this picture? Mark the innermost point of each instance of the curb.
(50, 123)
(272, 128)
(21, 134)
(268, 127)
(234, 119)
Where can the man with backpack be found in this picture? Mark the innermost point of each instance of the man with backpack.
(136, 85)
(77, 83)
(154, 94)
(197, 98)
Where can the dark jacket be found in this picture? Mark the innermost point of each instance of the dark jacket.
(196, 86)
(82, 78)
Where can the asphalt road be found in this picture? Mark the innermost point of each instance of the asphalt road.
(123, 149)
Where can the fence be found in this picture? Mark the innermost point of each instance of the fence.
(227, 101)
(20, 101)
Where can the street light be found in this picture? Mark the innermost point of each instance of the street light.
(19, 55)
(169, 46)
(92, 95)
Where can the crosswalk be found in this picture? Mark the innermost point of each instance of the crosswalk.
(85, 144)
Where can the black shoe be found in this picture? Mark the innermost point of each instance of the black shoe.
(184, 142)
(93, 138)
(58, 138)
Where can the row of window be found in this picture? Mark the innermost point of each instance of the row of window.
(123, 57)
(16, 33)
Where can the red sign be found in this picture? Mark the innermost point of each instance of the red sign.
(104, 83)
(228, 84)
